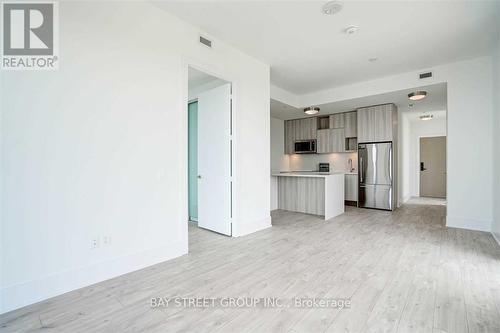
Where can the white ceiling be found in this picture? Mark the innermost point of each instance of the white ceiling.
(308, 50)
(436, 100)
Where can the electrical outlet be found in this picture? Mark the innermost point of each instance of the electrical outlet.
(94, 243)
(106, 240)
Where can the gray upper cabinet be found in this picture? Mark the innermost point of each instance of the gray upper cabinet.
(289, 136)
(330, 141)
(305, 129)
(351, 124)
(337, 120)
(375, 123)
(299, 129)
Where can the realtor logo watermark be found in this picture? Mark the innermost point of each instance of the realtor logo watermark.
(30, 38)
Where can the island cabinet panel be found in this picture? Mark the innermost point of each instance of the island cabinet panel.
(330, 141)
(302, 194)
(312, 193)
(337, 120)
(351, 124)
(375, 123)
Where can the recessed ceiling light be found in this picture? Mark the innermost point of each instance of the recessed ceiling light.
(372, 59)
(311, 110)
(352, 29)
(426, 117)
(332, 7)
(417, 95)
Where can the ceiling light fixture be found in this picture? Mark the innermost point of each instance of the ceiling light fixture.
(417, 95)
(311, 110)
(332, 7)
(351, 30)
(426, 117)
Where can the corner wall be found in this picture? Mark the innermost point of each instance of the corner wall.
(99, 148)
(496, 153)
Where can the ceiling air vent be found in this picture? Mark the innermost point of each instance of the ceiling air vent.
(205, 41)
(425, 75)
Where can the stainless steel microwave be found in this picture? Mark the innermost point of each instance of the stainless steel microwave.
(305, 147)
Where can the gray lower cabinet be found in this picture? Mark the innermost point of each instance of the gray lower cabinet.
(375, 123)
(351, 187)
(330, 141)
(302, 194)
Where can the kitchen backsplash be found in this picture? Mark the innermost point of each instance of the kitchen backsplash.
(338, 162)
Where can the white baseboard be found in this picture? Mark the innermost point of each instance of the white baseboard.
(496, 236)
(468, 223)
(23, 294)
(243, 229)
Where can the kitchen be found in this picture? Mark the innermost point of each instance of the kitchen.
(316, 160)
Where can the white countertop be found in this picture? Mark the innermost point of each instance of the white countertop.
(307, 174)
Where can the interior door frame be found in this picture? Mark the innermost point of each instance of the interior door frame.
(197, 64)
(418, 158)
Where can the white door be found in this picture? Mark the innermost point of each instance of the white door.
(214, 159)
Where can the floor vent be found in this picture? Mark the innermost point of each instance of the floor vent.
(425, 75)
(205, 41)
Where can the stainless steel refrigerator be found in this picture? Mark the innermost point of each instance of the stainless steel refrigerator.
(375, 175)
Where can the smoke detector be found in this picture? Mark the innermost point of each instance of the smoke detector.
(332, 7)
(350, 30)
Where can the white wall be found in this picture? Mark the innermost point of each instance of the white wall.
(195, 91)
(279, 161)
(496, 132)
(470, 131)
(99, 148)
(411, 151)
(404, 128)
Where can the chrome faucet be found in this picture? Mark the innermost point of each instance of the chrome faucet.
(351, 169)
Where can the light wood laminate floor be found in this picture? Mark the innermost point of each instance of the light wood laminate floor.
(403, 272)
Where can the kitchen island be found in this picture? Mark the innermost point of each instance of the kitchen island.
(318, 193)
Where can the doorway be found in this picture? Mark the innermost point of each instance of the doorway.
(433, 167)
(209, 152)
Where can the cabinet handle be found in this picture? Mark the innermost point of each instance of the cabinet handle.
(361, 169)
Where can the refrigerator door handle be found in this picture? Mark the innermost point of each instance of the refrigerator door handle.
(361, 170)
(390, 163)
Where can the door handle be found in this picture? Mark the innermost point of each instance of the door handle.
(361, 169)
(422, 168)
(199, 176)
